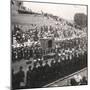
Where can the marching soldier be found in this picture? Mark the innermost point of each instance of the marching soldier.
(20, 76)
(28, 78)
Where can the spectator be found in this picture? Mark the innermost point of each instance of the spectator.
(73, 82)
(84, 81)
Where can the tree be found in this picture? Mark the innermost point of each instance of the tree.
(80, 19)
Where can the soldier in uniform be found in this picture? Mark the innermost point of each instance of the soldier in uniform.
(20, 76)
(35, 76)
(52, 69)
(46, 71)
(40, 72)
(28, 77)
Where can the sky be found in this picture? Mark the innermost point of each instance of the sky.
(62, 10)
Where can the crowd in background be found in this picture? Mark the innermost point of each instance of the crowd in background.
(32, 32)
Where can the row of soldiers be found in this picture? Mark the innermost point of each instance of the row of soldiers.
(26, 52)
(46, 73)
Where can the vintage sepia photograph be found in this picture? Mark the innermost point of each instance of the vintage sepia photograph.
(49, 44)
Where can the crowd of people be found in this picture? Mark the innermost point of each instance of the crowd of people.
(32, 32)
(69, 55)
(45, 73)
(22, 50)
(35, 51)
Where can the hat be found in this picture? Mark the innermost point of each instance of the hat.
(40, 62)
(54, 61)
(21, 67)
(39, 59)
(58, 60)
(46, 61)
(35, 60)
(29, 67)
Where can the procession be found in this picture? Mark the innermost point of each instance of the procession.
(46, 47)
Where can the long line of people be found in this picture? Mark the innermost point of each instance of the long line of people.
(46, 73)
(27, 52)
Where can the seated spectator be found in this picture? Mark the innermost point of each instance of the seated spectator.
(84, 81)
(73, 82)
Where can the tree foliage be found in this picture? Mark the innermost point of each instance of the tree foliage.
(80, 19)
